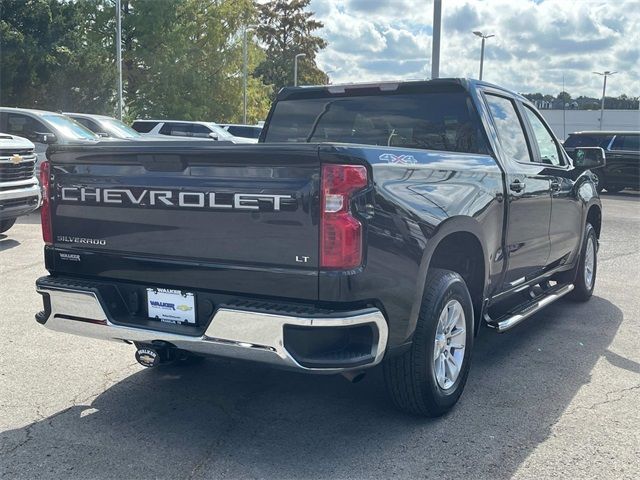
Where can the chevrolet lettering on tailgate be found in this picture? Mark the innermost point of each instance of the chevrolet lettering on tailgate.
(170, 198)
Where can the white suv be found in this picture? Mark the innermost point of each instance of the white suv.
(180, 128)
(19, 189)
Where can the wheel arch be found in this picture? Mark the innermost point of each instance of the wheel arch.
(594, 217)
(455, 245)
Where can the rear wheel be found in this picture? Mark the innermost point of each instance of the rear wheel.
(429, 378)
(587, 268)
(6, 224)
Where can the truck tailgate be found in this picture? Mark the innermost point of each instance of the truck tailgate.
(242, 219)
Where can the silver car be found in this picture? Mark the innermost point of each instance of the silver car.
(44, 128)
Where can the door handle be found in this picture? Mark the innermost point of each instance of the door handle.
(555, 185)
(517, 186)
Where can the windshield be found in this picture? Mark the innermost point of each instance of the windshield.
(118, 129)
(436, 121)
(221, 132)
(70, 129)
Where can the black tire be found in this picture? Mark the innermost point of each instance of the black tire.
(410, 377)
(6, 224)
(613, 188)
(582, 290)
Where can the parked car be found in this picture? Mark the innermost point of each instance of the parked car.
(250, 132)
(19, 188)
(178, 128)
(105, 126)
(43, 129)
(622, 150)
(376, 223)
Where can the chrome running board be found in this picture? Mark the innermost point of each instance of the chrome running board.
(512, 319)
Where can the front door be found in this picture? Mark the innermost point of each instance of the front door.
(526, 247)
(565, 228)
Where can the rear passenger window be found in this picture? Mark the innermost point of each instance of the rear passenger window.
(510, 131)
(143, 127)
(626, 142)
(176, 129)
(200, 131)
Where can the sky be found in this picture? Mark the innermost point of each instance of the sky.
(536, 42)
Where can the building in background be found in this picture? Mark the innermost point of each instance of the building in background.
(564, 122)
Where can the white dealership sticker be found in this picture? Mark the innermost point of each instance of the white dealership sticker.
(171, 306)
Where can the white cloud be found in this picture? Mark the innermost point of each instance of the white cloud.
(537, 42)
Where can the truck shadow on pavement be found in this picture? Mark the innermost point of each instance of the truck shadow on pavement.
(223, 419)
(7, 243)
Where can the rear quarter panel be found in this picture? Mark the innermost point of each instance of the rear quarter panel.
(418, 198)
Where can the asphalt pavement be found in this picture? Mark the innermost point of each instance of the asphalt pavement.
(557, 397)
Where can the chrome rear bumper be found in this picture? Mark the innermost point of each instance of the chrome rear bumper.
(232, 333)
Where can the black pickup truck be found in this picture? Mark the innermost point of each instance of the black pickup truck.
(380, 223)
(622, 150)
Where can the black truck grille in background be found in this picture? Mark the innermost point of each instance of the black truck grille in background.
(8, 152)
(10, 172)
(18, 202)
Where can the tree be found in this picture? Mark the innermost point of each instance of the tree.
(533, 97)
(183, 59)
(286, 28)
(47, 59)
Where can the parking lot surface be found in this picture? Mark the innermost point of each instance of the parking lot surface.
(558, 397)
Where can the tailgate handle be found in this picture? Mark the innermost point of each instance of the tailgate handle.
(162, 163)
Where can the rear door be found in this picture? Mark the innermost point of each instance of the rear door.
(239, 219)
(623, 161)
(528, 194)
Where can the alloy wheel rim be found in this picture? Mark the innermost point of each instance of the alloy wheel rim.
(449, 344)
(589, 263)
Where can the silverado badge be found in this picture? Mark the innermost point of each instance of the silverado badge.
(16, 159)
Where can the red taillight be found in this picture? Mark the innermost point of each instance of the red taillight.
(340, 232)
(45, 209)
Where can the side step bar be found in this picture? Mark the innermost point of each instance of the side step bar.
(512, 319)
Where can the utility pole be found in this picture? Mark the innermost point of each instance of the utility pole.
(605, 74)
(245, 68)
(435, 44)
(564, 118)
(484, 37)
(119, 55)
(295, 68)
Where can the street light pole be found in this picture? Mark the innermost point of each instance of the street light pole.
(119, 55)
(605, 74)
(435, 44)
(295, 68)
(484, 37)
(245, 68)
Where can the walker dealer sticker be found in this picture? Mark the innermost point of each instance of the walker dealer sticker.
(172, 306)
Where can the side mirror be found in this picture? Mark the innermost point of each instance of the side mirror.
(588, 158)
(102, 134)
(213, 135)
(47, 138)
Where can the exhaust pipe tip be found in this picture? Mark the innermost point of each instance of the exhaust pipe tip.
(354, 377)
